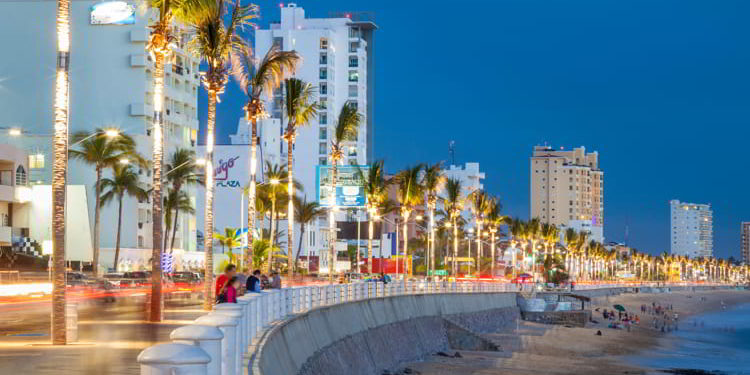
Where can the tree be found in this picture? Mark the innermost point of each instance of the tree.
(433, 182)
(276, 193)
(305, 212)
(375, 187)
(159, 47)
(261, 253)
(215, 38)
(176, 201)
(480, 203)
(230, 239)
(123, 183)
(453, 204)
(101, 149)
(301, 108)
(255, 80)
(59, 171)
(410, 195)
(494, 220)
(182, 170)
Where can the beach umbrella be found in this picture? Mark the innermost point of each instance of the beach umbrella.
(619, 307)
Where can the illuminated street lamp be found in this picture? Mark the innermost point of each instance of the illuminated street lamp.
(274, 181)
(14, 132)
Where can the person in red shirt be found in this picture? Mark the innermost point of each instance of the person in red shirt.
(223, 280)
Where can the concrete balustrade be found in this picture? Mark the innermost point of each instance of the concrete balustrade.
(170, 359)
(207, 338)
(228, 326)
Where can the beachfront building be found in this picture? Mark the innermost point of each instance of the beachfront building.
(691, 229)
(338, 59)
(745, 234)
(471, 180)
(110, 87)
(567, 189)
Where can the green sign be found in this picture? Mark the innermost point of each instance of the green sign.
(438, 273)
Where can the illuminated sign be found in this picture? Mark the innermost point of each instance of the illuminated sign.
(113, 13)
(349, 187)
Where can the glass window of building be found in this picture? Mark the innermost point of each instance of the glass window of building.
(353, 46)
(36, 161)
(352, 91)
(353, 61)
(323, 118)
(323, 134)
(322, 161)
(323, 73)
(323, 88)
(353, 76)
(20, 175)
(323, 43)
(323, 58)
(323, 103)
(354, 32)
(322, 148)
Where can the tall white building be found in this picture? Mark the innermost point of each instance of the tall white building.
(471, 179)
(338, 59)
(110, 86)
(691, 229)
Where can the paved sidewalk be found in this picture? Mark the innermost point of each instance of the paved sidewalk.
(109, 341)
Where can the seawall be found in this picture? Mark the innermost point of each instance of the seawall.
(366, 337)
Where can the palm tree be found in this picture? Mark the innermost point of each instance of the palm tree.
(176, 201)
(494, 220)
(215, 37)
(124, 182)
(101, 151)
(375, 187)
(305, 212)
(181, 170)
(453, 204)
(275, 174)
(571, 238)
(62, 90)
(533, 227)
(301, 108)
(516, 228)
(230, 239)
(255, 80)
(479, 205)
(160, 48)
(410, 195)
(433, 182)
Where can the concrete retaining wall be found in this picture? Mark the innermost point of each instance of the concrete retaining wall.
(364, 337)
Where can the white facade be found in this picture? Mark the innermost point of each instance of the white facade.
(691, 229)
(110, 86)
(471, 179)
(338, 60)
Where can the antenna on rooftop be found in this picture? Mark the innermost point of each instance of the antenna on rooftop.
(452, 151)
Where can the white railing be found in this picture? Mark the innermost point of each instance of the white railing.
(218, 343)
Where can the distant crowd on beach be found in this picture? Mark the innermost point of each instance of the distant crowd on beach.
(664, 317)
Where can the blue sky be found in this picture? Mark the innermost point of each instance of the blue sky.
(659, 87)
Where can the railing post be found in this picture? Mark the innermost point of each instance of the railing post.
(244, 301)
(228, 327)
(207, 338)
(168, 359)
(233, 311)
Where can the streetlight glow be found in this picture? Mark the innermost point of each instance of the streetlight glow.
(112, 133)
(200, 161)
(274, 181)
(124, 161)
(14, 132)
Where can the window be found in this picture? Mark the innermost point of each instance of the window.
(352, 151)
(353, 46)
(323, 43)
(353, 76)
(140, 241)
(322, 161)
(323, 58)
(353, 103)
(36, 161)
(323, 88)
(353, 61)
(323, 134)
(352, 91)
(323, 118)
(323, 73)
(322, 148)
(20, 175)
(354, 32)
(323, 103)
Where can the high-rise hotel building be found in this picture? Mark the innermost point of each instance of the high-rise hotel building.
(338, 59)
(110, 87)
(691, 229)
(567, 189)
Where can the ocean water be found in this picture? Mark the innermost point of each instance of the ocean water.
(717, 342)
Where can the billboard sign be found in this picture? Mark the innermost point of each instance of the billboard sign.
(350, 192)
(113, 13)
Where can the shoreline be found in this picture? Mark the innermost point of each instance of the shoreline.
(533, 348)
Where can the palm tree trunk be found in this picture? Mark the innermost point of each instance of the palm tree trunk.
(406, 242)
(370, 229)
(272, 235)
(208, 228)
(332, 223)
(174, 230)
(455, 247)
(479, 247)
(97, 220)
(290, 207)
(492, 264)
(251, 193)
(431, 244)
(156, 210)
(62, 88)
(119, 229)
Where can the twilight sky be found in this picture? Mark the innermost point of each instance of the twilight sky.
(659, 87)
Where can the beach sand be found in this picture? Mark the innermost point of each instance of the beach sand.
(534, 348)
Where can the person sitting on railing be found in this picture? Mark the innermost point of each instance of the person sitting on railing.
(253, 282)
